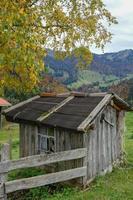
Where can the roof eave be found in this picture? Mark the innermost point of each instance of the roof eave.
(86, 124)
(5, 105)
(19, 104)
(125, 105)
(94, 113)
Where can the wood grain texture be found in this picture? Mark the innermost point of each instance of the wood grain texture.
(121, 127)
(3, 196)
(43, 159)
(28, 140)
(90, 156)
(85, 159)
(97, 143)
(43, 180)
(104, 144)
(94, 113)
(5, 156)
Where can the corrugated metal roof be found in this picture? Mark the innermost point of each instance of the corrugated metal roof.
(4, 102)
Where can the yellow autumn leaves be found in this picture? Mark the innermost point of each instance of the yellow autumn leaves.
(29, 27)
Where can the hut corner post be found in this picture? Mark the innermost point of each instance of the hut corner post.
(5, 155)
(85, 159)
(122, 129)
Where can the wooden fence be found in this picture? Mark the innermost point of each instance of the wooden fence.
(7, 165)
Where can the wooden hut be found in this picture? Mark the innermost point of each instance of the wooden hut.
(3, 103)
(53, 123)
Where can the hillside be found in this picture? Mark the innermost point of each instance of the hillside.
(118, 64)
(64, 70)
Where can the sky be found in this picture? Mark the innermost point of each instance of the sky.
(122, 32)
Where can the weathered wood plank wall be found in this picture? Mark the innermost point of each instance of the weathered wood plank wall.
(121, 129)
(28, 140)
(68, 140)
(104, 142)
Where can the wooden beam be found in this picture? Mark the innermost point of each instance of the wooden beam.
(55, 108)
(93, 114)
(98, 94)
(48, 94)
(21, 104)
(115, 106)
(124, 104)
(42, 159)
(43, 180)
(65, 94)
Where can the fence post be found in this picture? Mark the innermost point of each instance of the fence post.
(5, 155)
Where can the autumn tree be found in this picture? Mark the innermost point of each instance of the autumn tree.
(49, 84)
(29, 27)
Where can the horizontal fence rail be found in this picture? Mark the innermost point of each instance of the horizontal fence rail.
(42, 159)
(43, 180)
(7, 165)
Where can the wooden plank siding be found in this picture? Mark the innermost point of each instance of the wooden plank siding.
(28, 140)
(104, 143)
(109, 141)
(121, 128)
(68, 140)
(64, 140)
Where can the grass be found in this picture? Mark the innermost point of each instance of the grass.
(129, 138)
(9, 131)
(117, 185)
(10, 134)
